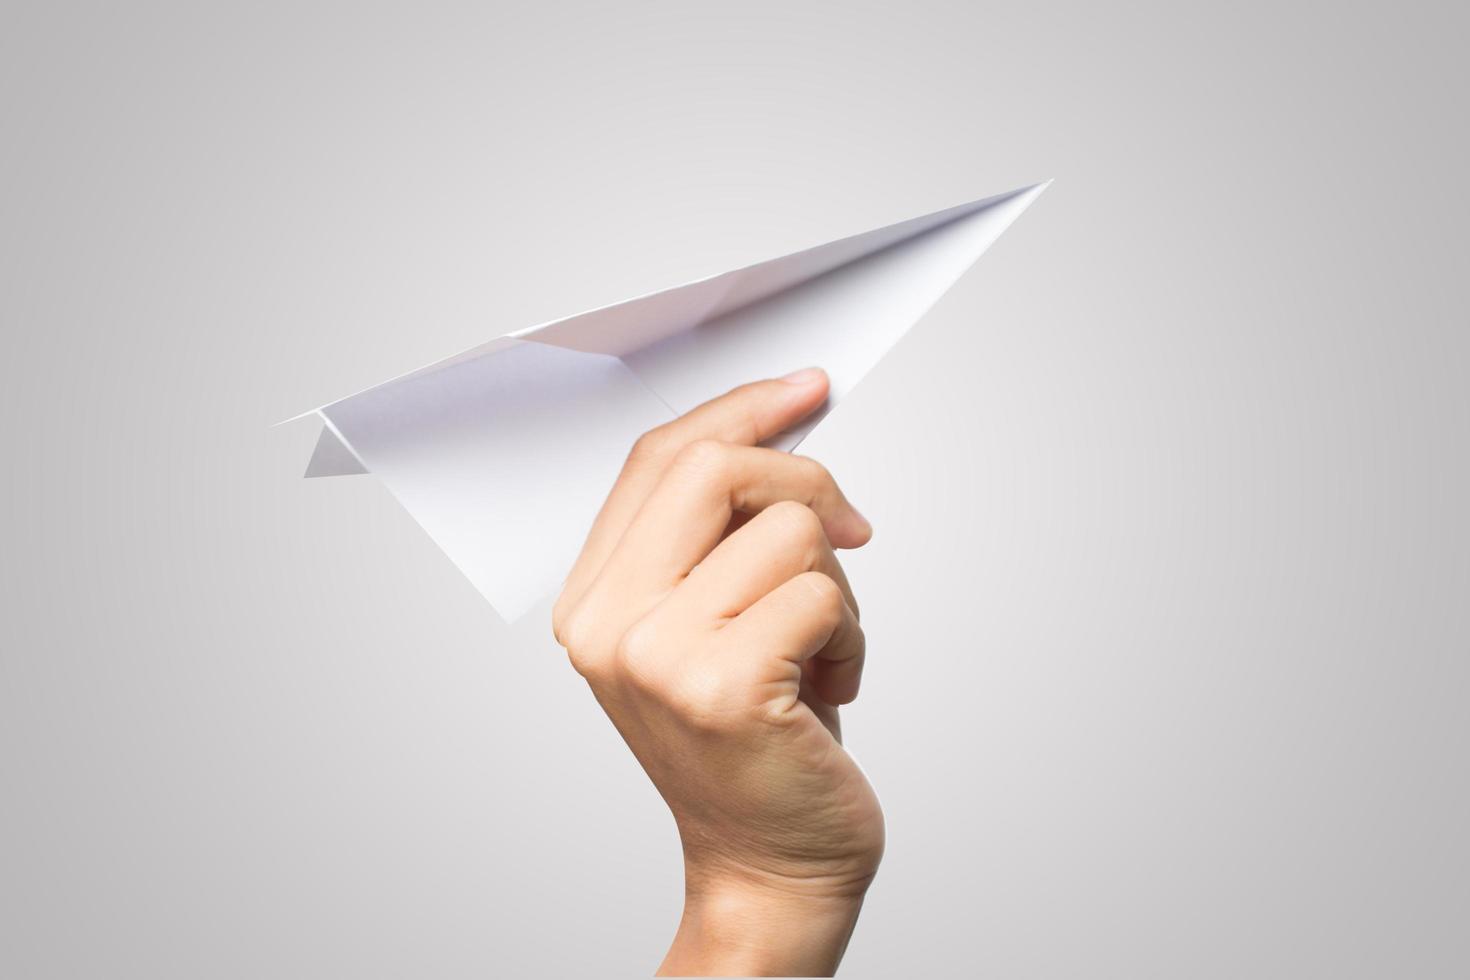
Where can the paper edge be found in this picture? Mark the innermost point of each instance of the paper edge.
(521, 334)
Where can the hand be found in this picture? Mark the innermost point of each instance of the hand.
(710, 616)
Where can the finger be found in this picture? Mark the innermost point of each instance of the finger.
(747, 415)
(777, 544)
(806, 619)
(686, 515)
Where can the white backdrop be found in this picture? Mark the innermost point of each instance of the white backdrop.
(1165, 607)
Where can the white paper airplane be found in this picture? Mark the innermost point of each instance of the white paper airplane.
(504, 452)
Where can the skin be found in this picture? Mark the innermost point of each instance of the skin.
(711, 619)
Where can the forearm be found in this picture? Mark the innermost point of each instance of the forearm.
(745, 930)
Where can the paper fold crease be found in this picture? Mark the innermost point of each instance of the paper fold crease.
(503, 452)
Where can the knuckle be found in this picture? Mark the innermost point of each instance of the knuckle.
(587, 661)
(566, 624)
(700, 697)
(636, 654)
(577, 634)
(816, 472)
(561, 615)
(826, 595)
(800, 524)
(703, 459)
(654, 444)
(584, 662)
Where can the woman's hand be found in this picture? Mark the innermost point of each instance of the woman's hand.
(716, 628)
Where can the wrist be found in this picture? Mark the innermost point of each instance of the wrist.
(738, 927)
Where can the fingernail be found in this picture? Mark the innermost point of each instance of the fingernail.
(803, 377)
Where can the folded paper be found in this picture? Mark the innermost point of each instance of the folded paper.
(504, 452)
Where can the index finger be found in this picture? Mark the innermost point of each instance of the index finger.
(747, 415)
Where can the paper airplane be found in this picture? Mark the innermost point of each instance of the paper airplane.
(504, 452)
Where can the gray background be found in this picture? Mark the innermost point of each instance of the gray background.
(1167, 605)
